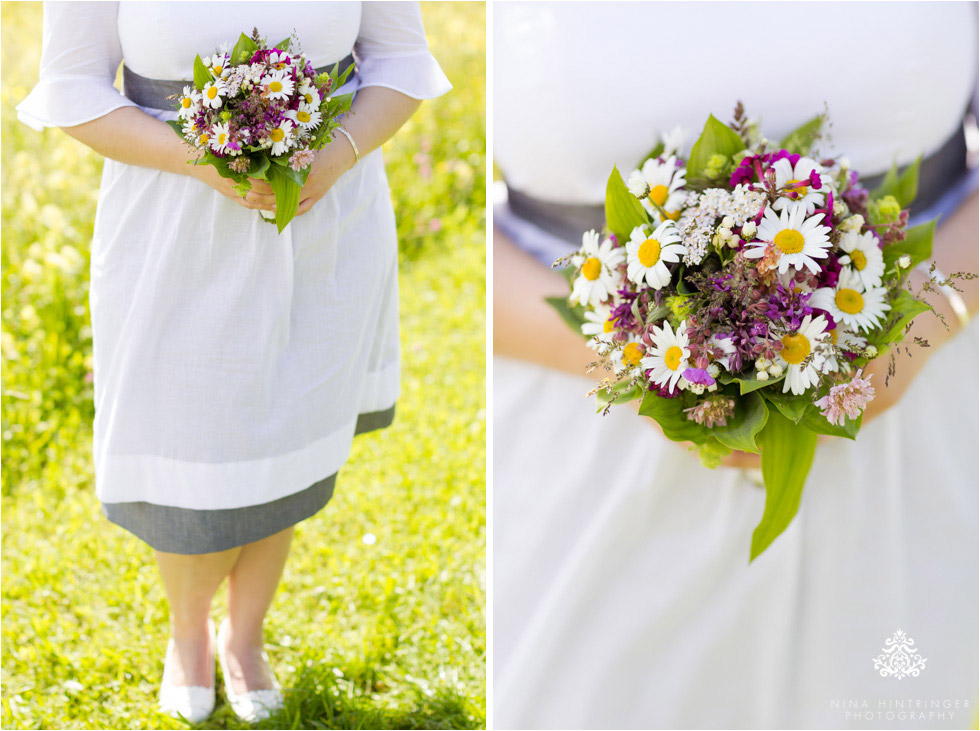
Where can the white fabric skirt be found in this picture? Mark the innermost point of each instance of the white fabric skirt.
(623, 595)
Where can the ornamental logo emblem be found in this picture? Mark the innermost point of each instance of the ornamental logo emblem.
(899, 658)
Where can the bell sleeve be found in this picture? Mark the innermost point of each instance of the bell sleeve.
(391, 50)
(80, 54)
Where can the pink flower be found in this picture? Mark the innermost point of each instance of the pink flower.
(846, 400)
(301, 159)
(713, 411)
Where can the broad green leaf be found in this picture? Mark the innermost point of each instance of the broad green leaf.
(904, 308)
(622, 393)
(669, 413)
(712, 452)
(791, 406)
(917, 245)
(574, 316)
(787, 453)
(682, 285)
(800, 140)
(716, 138)
(243, 50)
(817, 422)
(260, 164)
(177, 126)
(201, 74)
(286, 191)
(623, 211)
(904, 187)
(748, 385)
(742, 429)
(283, 45)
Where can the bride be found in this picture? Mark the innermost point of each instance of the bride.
(623, 596)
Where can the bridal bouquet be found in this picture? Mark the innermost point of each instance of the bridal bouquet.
(261, 112)
(741, 292)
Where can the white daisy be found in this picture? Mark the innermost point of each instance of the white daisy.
(788, 176)
(280, 59)
(599, 326)
(306, 118)
(647, 256)
(849, 302)
(795, 356)
(596, 280)
(863, 257)
(218, 65)
(799, 240)
(190, 103)
(662, 183)
(219, 137)
(626, 358)
(830, 359)
(670, 355)
(213, 93)
(310, 94)
(278, 84)
(282, 137)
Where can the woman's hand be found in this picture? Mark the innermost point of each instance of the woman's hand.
(329, 164)
(260, 197)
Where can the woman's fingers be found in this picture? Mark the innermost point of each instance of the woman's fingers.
(260, 187)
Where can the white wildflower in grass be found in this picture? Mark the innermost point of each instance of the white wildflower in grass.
(596, 280)
(799, 241)
(647, 256)
(863, 257)
(849, 302)
(796, 353)
(669, 357)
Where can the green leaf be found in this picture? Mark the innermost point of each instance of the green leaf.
(791, 406)
(623, 211)
(201, 74)
(787, 453)
(717, 138)
(657, 151)
(244, 46)
(260, 164)
(177, 126)
(800, 140)
(817, 422)
(917, 245)
(712, 452)
(286, 191)
(904, 308)
(283, 45)
(748, 385)
(904, 187)
(741, 430)
(669, 413)
(621, 393)
(574, 316)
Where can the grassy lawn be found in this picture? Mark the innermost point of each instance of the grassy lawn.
(379, 622)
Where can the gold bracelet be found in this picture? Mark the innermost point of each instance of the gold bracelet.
(952, 296)
(345, 133)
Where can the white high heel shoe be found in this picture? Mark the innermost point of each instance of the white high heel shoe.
(193, 703)
(254, 705)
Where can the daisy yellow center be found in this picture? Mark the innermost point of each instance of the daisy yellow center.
(673, 216)
(849, 301)
(186, 102)
(218, 70)
(591, 268)
(632, 354)
(673, 357)
(609, 325)
(793, 186)
(859, 260)
(649, 252)
(833, 336)
(795, 348)
(789, 241)
(303, 116)
(204, 139)
(659, 194)
(212, 92)
(308, 98)
(275, 87)
(221, 138)
(277, 135)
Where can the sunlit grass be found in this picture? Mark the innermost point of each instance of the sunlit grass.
(387, 634)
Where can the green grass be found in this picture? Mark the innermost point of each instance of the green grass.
(382, 635)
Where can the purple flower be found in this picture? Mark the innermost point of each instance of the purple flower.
(698, 375)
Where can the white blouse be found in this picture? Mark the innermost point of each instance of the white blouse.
(231, 362)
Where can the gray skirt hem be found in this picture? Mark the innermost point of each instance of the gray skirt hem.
(185, 531)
